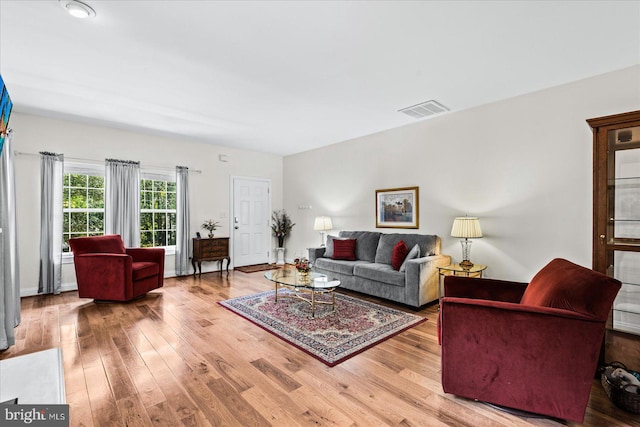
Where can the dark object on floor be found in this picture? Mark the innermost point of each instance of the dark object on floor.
(106, 271)
(532, 347)
(257, 267)
(623, 394)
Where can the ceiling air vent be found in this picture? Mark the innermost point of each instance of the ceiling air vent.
(425, 109)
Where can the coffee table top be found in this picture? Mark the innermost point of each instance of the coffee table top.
(290, 277)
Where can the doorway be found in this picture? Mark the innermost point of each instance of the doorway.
(251, 232)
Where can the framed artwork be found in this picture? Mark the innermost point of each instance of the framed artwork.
(397, 208)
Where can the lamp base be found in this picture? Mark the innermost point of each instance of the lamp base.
(466, 264)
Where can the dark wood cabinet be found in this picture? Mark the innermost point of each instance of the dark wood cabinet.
(616, 227)
(215, 249)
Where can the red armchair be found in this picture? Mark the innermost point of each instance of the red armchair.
(530, 347)
(106, 271)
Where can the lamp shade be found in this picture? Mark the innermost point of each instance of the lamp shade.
(467, 227)
(322, 223)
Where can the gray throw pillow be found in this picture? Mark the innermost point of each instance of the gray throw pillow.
(328, 252)
(413, 254)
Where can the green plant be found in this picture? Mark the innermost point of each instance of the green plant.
(211, 226)
(281, 225)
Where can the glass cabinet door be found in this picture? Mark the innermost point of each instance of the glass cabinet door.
(623, 225)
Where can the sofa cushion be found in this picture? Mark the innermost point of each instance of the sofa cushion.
(428, 245)
(383, 273)
(399, 253)
(367, 243)
(565, 285)
(344, 249)
(337, 266)
(328, 252)
(413, 254)
(142, 270)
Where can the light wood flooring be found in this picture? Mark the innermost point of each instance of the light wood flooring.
(178, 358)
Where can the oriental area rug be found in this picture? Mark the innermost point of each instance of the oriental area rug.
(332, 336)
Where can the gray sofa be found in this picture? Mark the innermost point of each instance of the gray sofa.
(371, 273)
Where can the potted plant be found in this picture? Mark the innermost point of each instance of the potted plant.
(281, 226)
(304, 268)
(211, 226)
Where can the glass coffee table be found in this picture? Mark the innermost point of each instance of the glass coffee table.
(313, 284)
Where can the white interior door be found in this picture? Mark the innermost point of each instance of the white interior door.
(250, 218)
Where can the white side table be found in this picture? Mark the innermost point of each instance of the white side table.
(36, 378)
(280, 256)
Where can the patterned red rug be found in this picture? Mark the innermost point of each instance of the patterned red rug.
(331, 337)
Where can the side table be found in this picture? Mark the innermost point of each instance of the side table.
(456, 270)
(214, 249)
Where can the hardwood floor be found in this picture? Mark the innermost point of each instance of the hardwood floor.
(178, 358)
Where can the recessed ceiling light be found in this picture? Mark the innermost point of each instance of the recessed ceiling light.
(77, 9)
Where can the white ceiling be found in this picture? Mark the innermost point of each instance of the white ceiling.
(288, 76)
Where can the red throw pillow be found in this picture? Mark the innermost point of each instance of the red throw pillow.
(344, 249)
(399, 253)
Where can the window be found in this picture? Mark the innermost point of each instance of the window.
(82, 203)
(157, 211)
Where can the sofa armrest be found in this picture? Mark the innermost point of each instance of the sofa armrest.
(421, 279)
(512, 344)
(146, 254)
(480, 288)
(104, 276)
(315, 253)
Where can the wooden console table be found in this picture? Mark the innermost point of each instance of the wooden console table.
(216, 249)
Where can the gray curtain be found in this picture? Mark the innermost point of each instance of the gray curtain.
(182, 214)
(51, 174)
(9, 272)
(122, 200)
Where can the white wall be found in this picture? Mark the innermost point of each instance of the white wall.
(209, 191)
(523, 165)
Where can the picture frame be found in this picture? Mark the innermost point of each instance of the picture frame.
(397, 208)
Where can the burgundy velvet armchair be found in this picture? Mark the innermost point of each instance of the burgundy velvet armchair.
(106, 271)
(529, 347)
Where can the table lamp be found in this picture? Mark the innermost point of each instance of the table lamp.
(322, 224)
(468, 228)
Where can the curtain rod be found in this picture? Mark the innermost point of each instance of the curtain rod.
(101, 162)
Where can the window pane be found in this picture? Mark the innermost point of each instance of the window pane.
(146, 184)
(65, 243)
(146, 200)
(78, 198)
(146, 221)
(78, 221)
(160, 185)
(96, 222)
(172, 238)
(171, 186)
(66, 180)
(159, 221)
(172, 221)
(95, 199)
(160, 200)
(74, 235)
(65, 222)
(66, 203)
(78, 180)
(96, 181)
(171, 201)
(146, 239)
(160, 238)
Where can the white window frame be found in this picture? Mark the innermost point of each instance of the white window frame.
(81, 169)
(159, 176)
